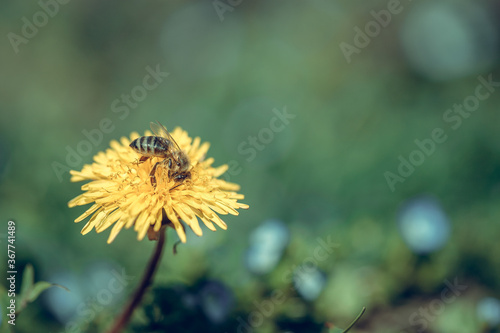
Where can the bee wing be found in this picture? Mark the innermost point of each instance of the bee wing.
(160, 130)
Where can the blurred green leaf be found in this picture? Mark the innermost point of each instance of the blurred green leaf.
(27, 281)
(38, 288)
(30, 290)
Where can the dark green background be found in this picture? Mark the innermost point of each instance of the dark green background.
(323, 175)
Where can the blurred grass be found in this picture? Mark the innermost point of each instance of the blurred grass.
(323, 175)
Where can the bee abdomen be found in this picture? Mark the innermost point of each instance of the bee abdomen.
(149, 146)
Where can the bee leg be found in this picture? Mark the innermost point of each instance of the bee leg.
(169, 166)
(141, 160)
(175, 186)
(152, 176)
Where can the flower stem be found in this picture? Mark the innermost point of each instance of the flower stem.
(147, 279)
(355, 320)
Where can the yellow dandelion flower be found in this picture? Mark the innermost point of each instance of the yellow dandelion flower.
(123, 195)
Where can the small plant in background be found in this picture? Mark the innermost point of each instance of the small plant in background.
(28, 293)
(151, 183)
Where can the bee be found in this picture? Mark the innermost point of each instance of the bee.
(163, 145)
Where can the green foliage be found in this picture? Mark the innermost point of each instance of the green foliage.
(31, 290)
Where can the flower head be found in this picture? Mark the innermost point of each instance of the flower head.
(123, 195)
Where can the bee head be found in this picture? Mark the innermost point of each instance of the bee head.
(182, 162)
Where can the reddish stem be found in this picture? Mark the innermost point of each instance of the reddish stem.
(147, 279)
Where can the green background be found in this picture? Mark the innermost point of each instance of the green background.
(322, 175)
